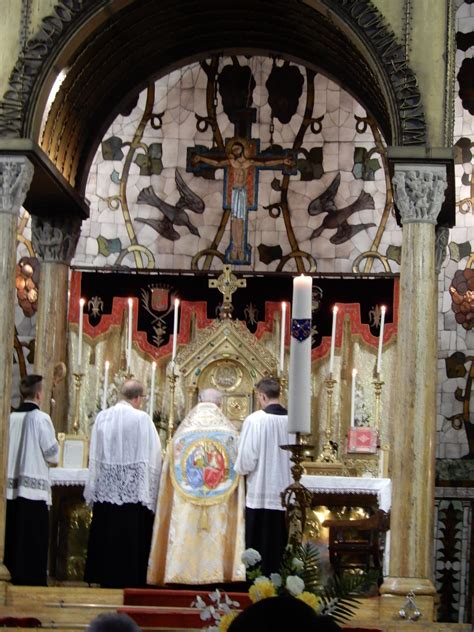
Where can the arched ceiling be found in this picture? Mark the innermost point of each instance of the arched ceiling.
(147, 38)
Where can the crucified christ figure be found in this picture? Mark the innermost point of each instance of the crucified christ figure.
(239, 165)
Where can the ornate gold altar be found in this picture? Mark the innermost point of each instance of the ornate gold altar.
(227, 357)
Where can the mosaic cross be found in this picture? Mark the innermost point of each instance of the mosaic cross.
(241, 162)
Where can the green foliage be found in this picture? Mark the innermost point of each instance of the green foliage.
(339, 596)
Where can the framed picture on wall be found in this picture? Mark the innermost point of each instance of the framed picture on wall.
(73, 451)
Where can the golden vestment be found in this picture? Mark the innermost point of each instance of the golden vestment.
(198, 536)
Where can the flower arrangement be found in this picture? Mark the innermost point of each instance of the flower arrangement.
(298, 576)
(220, 610)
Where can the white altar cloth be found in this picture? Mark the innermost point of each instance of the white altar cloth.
(64, 476)
(382, 487)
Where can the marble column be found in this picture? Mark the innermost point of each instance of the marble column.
(16, 173)
(54, 240)
(419, 194)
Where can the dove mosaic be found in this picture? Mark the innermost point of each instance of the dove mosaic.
(252, 161)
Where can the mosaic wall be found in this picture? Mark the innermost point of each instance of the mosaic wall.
(456, 281)
(27, 286)
(261, 164)
(454, 567)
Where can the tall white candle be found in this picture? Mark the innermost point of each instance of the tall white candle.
(382, 325)
(353, 393)
(151, 408)
(175, 328)
(106, 384)
(299, 382)
(129, 342)
(282, 336)
(335, 309)
(81, 334)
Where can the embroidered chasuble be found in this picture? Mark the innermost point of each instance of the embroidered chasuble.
(198, 536)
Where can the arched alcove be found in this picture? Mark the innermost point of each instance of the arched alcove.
(112, 51)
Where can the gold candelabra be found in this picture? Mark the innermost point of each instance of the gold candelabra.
(172, 377)
(383, 447)
(77, 401)
(328, 452)
(296, 498)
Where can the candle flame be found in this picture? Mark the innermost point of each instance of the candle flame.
(176, 302)
(130, 302)
(335, 309)
(383, 308)
(153, 364)
(354, 372)
(107, 364)
(82, 302)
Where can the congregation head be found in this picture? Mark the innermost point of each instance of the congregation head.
(31, 386)
(131, 390)
(269, 386)
(210, 396)
(113, 622)
(281, 613)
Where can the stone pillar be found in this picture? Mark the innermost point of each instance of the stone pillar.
(54, 240)
(16, 173)
(419, 194)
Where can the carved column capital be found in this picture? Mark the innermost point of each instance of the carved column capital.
(16, 173)
(419, 192)
(55, 238)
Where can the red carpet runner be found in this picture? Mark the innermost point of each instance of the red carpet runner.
(171, 608)
(166, 608)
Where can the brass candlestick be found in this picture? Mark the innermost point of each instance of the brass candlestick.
(172, 377)
(296, 498)
(328, 452)
(77, 401)
(383, 449)
(378, 400)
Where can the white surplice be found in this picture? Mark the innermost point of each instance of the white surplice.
(261, 459)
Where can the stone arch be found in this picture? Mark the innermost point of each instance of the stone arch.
(113, 50)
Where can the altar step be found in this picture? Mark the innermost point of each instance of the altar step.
(65, 608)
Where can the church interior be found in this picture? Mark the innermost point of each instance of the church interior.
(126, 251)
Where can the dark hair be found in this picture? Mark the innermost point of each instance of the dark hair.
(269, 386)
(30, 386)
(281, 613)
(131, 389)
(113, 622)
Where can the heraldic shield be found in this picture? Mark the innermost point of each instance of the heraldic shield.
(202, 468)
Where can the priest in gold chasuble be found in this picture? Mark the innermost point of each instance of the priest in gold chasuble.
(198, 536)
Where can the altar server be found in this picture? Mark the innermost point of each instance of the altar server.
(32, 449)
(122, 486)
(198, 536)
(267, 468)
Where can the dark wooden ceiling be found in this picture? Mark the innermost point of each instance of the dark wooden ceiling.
(148, 38)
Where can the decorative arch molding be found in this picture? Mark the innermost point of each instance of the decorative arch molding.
(347, 39)
(367, 21)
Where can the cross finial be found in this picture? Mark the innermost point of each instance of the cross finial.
(227, 283)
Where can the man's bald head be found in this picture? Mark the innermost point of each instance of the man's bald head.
(211, 396)
(131, 390)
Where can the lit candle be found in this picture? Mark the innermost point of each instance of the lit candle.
(382, 325)
(129, 343)
(333, 339)
(106, 384)
(175, 328)
(353, 393)
(299, 383)
(282, 336)
(81, 333)
(152, 390)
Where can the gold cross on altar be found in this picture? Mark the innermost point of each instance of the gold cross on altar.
(227, 283)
